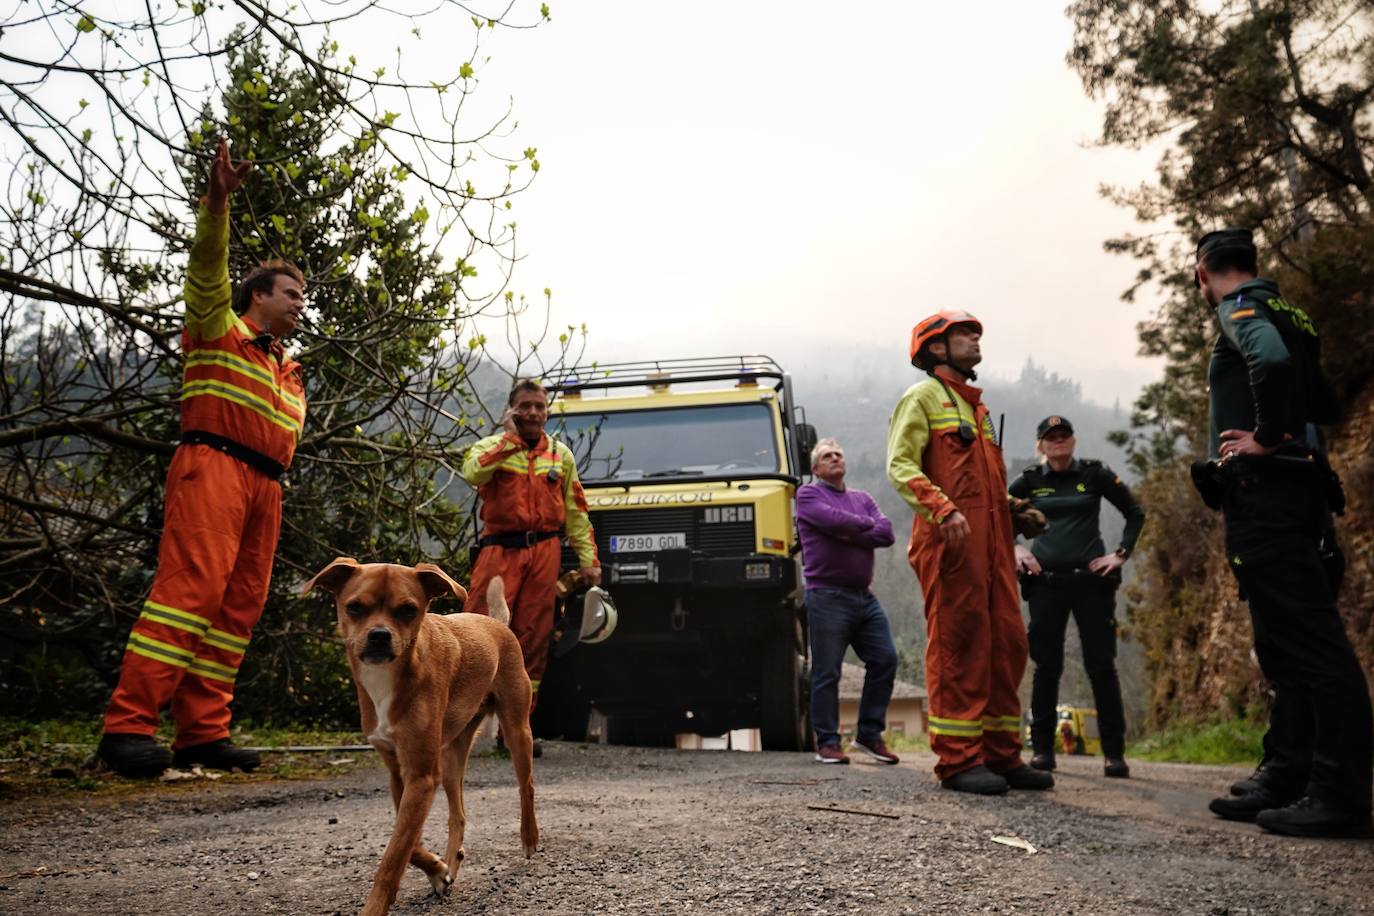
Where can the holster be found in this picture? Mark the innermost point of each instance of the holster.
(1331, 484)
(1207, 479)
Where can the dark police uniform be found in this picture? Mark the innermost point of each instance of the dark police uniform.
(1265, 377)
(1071, 500)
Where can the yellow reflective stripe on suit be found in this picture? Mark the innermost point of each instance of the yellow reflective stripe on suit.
(213, 670)
(237, 395)
(159, 651)
(968, 728)
(226, 360)
(174, 617)
(222, 640)
(1002, 723)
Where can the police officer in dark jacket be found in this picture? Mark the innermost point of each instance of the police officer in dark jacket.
(1068, 570)
(1266, 386)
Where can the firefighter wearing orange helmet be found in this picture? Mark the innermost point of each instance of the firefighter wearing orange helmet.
(242, 410)
(943, 457)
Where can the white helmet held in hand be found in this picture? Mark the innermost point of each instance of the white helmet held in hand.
(599, 616)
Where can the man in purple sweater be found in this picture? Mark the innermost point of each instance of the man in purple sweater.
(839, 529)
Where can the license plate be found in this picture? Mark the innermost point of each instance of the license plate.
(639, 543)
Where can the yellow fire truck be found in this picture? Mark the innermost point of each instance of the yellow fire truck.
(690, 468)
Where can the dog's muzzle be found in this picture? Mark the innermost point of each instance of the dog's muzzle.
(377, 646)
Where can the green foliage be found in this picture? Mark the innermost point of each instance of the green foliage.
(393, 397)
(1260, 105)
(1168, 602)
(1214, 741)
(907, 744)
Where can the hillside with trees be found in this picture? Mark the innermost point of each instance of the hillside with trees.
(1263, 110)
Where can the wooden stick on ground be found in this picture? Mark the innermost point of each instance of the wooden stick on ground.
(853, 811)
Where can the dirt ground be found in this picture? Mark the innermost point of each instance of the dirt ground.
(629, 830)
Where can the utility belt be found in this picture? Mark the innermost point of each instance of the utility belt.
(516, 538)
(1291, 463)
(255, 460)
(1063, 578)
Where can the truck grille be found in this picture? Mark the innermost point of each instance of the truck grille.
(716, 538)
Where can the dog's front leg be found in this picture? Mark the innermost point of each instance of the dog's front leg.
(416, 797)
(455, 766)
(439, 875)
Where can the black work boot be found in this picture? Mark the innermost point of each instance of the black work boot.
(979, 781)
(135, 756)
(1246, 807)
(1023, 777)
(1309, 816)
(1043, 760)
(217, 755)
(1251, 783)
(1116, 768)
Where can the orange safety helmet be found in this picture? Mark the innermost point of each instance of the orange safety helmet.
(937, 325)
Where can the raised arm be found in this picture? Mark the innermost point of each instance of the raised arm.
(208, 296)
(485, 456)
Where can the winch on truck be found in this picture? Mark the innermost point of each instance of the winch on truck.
(690, 468)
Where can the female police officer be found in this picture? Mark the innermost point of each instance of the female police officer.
(1068, 570)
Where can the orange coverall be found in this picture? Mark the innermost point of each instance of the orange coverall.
(527, 490)
(976, 648)
(221, 518)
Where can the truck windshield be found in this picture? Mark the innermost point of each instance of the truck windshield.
(671, 442)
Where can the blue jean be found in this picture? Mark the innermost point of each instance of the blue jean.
(839, 618)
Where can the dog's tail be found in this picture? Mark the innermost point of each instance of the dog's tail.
(496, 600)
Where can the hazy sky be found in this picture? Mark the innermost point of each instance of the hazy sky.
(808, 179)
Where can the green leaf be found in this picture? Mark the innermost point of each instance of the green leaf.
(198, 8)
(544, 10)
(465, 71)
(85, 24)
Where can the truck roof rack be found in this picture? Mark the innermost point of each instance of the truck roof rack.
(676, 371)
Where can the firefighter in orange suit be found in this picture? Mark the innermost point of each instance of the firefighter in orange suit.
(242, 410)
(943, 457)
(530, 496)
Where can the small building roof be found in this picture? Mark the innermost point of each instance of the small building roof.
(852, 685)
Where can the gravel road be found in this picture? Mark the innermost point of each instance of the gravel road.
(630, 830)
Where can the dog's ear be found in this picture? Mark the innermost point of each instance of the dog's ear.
(437, 583)
(333, 576)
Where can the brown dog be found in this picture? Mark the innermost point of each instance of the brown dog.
(425, 682)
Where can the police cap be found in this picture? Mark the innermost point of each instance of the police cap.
(1051, 423)
(1225, 238)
